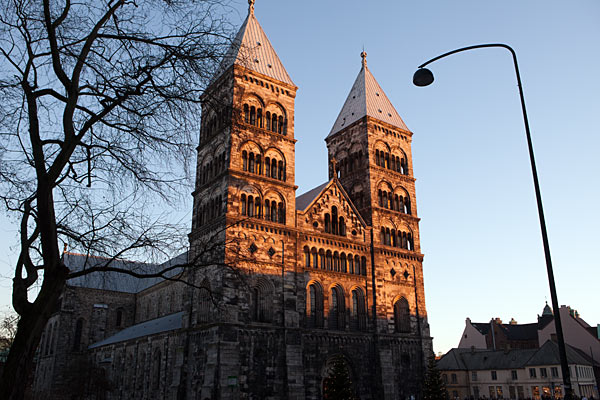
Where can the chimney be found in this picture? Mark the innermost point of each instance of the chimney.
(498, 321)
(513, 322)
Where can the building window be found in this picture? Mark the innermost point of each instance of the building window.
(543, 373)
(476, 392)
(445, 378)
(513, 375)
(338, 309)
(492, 390)
(499, 392)
(494, 376)
(314, 307)
(402, 315)
(453, 379)
(532, 373)
(119, 317)
(474, 375)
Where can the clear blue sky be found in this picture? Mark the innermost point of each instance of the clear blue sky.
(479, 227)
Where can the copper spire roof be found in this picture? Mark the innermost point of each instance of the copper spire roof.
(367, 98)
(252, 49)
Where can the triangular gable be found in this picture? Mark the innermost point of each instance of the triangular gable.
(316, 200)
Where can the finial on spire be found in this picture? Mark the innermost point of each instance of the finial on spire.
(251, 6)
(364, 58)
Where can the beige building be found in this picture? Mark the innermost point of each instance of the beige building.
(515, 374)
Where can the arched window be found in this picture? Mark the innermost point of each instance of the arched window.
(402, 315)
(268, 210)
(327, 223)
(334, 220)
(243, 204)
(273, 211)
(280, 125)
(274, 123)
(380, 197)
(281, 212)
(274, 168)
(377, 157)
(204, 302)
(342, 227)
(119, 320)
(156, 369)
(268, 120)
(329, 259)
(315, 258)
(77, 335)
(280, 171)
(314, 308)
(306, 257)
(336, 262)
(350, 264)
(246, 113)
(363, 266)
(259, 119)
(251, 162)
(359, 320)
(267, 167)
(357, 265)
(262, 301)
(322, 258)
(244, 160)
(338, 309)
(252, 115)
(258, 166)
(257, 208)
(343, 263)
(250, 206)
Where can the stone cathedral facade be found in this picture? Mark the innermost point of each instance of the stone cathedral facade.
(296, 282)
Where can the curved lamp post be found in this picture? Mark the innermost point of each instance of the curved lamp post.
(424, 77)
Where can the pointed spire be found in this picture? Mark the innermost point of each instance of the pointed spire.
(252, 49)
(367, 98)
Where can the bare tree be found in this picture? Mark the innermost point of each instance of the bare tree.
(100, 106)
(8, 330)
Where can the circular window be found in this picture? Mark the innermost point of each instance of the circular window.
(316, 224)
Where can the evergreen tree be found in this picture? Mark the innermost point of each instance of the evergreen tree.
(338, 384)
(433, 386)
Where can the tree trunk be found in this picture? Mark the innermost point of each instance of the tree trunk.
(19, 365)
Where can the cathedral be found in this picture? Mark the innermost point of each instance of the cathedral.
(284, 285)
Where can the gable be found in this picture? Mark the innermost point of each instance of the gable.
(328, 207)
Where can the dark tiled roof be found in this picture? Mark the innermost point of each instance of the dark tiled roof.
(483, 327)
(548, 355)
(152, 327)
(477, 359)
(521, 332)
(116, 281)
(305, 199)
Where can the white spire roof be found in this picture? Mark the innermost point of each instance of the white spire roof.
(252, 49)
(367, 98)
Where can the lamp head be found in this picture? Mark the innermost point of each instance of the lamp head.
(423, 77)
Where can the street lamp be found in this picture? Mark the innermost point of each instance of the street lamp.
(424, 77)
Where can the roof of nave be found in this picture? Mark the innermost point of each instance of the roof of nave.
(152, 327)
(252, 49)
(367, 98)
(116, 281)
(305, 199)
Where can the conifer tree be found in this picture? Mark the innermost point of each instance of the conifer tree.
(433, 386)
(338, 384)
